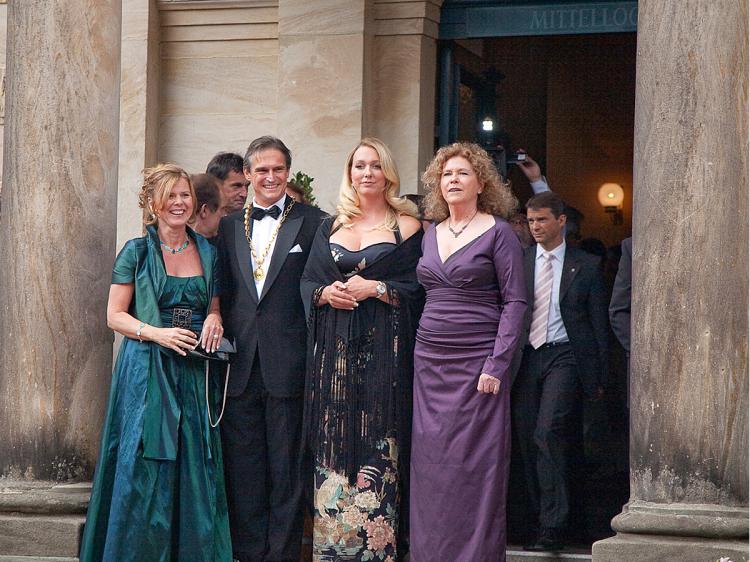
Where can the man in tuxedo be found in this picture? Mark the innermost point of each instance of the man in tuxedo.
(262, 251)
(565, 353)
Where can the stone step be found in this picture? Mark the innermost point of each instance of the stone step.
(40, 535)
(35, 559)
(519, 555)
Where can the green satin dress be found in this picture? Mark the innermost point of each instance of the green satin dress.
(158, 492)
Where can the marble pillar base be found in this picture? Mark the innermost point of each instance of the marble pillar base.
(702, 532)
(41, 520)
(655, 548)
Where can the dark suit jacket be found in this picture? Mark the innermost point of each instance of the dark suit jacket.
(273, 326)
(583, 307)
(619, 306)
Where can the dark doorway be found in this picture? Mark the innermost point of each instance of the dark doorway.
(568, 99)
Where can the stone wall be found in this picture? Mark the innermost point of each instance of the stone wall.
(219, 78)
(3, 37)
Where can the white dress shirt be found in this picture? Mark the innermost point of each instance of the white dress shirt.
(555, 327)
(262, 231)
(539, 186)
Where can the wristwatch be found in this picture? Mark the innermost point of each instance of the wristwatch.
(380, 289)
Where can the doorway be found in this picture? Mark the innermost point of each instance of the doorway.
(559, 82)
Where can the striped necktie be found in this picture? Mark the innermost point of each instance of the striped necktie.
(542, 298)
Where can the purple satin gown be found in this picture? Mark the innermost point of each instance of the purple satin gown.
(471, 324)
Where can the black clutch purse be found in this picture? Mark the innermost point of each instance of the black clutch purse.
(223, 353)
(183, 318)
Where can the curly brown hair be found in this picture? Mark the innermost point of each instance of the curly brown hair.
(156, 186)
(496, 197)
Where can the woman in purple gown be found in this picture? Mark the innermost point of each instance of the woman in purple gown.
(472, 271)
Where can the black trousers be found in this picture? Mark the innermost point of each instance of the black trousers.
(546, 405)
(261, 444)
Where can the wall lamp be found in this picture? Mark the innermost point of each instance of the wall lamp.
(610, 197)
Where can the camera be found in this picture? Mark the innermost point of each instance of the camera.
(516, 157)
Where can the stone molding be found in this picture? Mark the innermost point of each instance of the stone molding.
(165, 5)
(216, 22)
(407, 17)
(683, 520)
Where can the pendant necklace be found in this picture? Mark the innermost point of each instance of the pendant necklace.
(175, 250)
(457, 233)
(259, 273)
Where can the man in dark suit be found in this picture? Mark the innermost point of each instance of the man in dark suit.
(262, 251)
(565, 353)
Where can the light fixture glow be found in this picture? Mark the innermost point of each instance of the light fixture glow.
(488, 124)
(611, 196)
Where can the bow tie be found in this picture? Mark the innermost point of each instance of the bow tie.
(259, 214)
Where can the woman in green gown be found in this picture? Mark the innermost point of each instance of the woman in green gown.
(158, 492)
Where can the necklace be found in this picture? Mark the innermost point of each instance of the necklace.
(175, 250)
(457, 233)
(258, 272)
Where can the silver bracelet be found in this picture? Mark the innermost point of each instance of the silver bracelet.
(138, 331)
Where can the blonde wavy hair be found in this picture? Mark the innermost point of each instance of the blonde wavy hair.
(348, 204)
(156, 187)
(496, 197)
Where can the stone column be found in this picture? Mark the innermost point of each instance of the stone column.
(57, 229)
(3, 44)
(401, 102)
(139, 110)
(322, 77)
(689, 380)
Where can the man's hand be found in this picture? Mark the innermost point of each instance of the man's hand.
(530, 169)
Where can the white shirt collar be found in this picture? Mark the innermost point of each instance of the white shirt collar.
(280, 203)
(558, 252)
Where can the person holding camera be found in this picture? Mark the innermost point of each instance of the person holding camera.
(158, 491)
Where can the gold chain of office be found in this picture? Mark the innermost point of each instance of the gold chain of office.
(258, 272)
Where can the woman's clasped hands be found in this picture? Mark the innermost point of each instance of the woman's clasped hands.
(346, 295)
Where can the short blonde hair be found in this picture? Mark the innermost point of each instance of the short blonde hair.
(348, 204)
(496, 197)
(156, 187)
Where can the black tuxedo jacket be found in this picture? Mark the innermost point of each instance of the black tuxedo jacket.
(273, 325)
(583, 307)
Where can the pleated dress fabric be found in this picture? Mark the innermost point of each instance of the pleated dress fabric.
(461, 439)
(168, 504)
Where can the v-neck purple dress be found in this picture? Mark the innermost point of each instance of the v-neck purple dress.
(471, 324)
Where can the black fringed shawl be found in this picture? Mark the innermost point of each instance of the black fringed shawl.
(358, 386)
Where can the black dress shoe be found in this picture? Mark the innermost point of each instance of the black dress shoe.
(548, 541)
